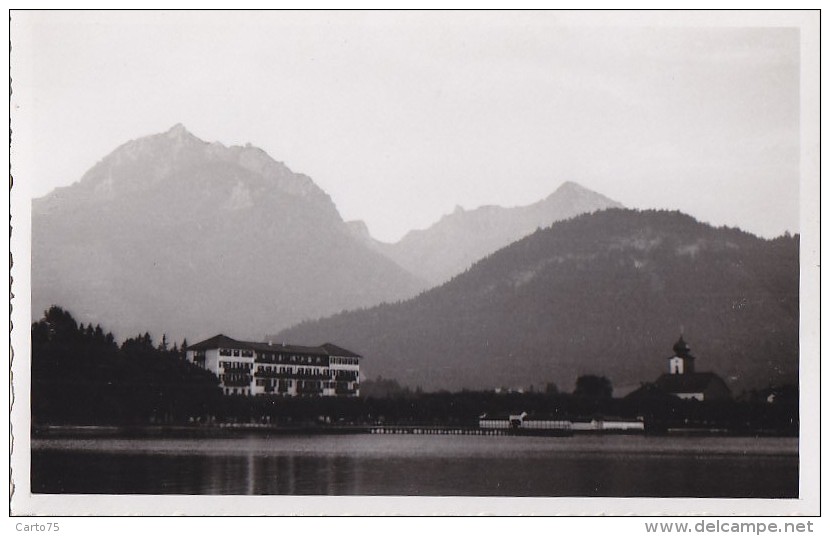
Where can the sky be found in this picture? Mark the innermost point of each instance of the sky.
(402, 116)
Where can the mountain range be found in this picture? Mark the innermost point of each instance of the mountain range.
(606, 293)
(172, 234)
(461, 238)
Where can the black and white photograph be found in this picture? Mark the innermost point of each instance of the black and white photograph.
(385, 262)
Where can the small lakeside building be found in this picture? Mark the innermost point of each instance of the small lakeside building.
(523, 422)
(266, 368)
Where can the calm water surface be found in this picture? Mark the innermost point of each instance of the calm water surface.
(579, 466)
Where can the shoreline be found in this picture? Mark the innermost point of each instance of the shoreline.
(236, 429)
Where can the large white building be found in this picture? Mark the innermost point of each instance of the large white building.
(264, 368)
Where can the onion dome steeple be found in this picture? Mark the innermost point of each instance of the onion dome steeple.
(682, 362)
(681, 348)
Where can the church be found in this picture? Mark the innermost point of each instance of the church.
(684, 382)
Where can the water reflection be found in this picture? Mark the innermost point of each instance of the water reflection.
(305, 467)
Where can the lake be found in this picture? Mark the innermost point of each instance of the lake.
(417, 465)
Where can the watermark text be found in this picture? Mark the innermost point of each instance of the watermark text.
(731, 527)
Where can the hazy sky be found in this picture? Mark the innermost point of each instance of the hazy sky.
(400, 116)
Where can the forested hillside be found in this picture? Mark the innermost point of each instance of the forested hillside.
(606, 293)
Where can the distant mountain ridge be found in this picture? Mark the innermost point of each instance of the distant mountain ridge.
(604, 293)
(151, 160)
(173, 234)
(463, 237)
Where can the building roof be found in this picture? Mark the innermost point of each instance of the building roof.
(282, 348)
(650, 391)
(219, 341)
(694, 382)
(223, 341)
(335, 350)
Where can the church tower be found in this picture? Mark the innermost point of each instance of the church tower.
(682, 362)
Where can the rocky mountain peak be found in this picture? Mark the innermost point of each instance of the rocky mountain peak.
(177, 160)
(570, 186)
(462, 237)
(177, 131)
(169, 219)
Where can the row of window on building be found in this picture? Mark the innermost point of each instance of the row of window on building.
(228, 352)
(294, 359)
(235, 365)
(234, 391)
(284, 358)
(305, 371)
(235, 378)
(298, 370)
(282, 383)
(228, 366)
(300, 383)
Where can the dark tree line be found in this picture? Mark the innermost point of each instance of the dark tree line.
(81, 376)
(770, 410)
(409, 408)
